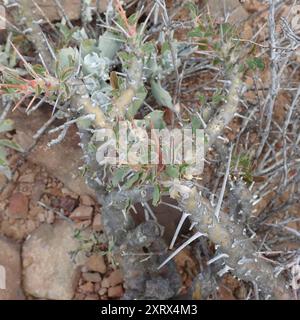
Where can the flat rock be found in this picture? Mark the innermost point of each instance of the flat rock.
(97, 223)
(115, 292)
(96, 263)
(48, 270)
(18, 205)
(10, 271)
(91, 277)
(87, 287)
(86, 200)
(115, 278)
(67, 203)
(82, 213)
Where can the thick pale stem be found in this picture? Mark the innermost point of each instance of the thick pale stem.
(216, 126)
(229, 236)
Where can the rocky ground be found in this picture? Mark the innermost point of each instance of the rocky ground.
(51, 235)
(52, 242)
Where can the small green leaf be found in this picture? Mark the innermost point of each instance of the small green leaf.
(218, 97)
(66, 32)
(201, 32)
(125, 57)
(119, 175)
(10, 144)
(217, 61)
(197, 32)
(66, 58)
(165, 47)
(133, 19)
(109, 44)
(183, 167)
(3, 163)
(196, 123)
(84, 123)
(144, 177)
(6, 125)
(202, 98)
(172, 171)
(66, 74)
(130, 182)
(39, 69)
(256, 63)
(3, 155)
(161, 95)
(194, 11)
(156, 195)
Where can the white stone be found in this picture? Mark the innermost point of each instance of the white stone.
(49, 272)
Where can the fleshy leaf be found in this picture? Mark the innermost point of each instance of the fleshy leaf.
(156, 195)
(6, 125)
(131, 181)
(109, 44)
(10, 144)
(161, 95)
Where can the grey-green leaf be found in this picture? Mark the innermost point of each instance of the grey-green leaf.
(10, 144)
(161, 95)
(6, 125)
(156, 195)
(130, 182)
(172, 171)
(119, 175)
(109, 44)
(67, 58)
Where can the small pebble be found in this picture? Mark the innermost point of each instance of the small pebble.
(115, 292)
(91, 277)
(96, 263)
